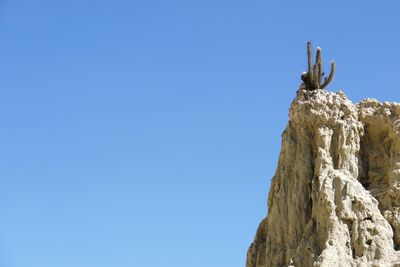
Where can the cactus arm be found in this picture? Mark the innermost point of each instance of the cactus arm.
(309, 61)
(319, 74)
(319, 62)
(331, 74)
(316, 76)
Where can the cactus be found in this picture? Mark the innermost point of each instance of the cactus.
(312, 78)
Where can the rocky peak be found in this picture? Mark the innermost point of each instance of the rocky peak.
(334, 199)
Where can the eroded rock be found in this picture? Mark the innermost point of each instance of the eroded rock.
(335, 197)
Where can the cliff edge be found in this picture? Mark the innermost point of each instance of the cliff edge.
(335, 197)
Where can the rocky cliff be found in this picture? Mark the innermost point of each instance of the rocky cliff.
(335, 197)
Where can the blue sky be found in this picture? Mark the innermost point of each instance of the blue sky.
(145, 133)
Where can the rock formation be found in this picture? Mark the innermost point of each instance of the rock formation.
(335, 197)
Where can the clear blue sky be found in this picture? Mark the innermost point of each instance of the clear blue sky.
(145, 133)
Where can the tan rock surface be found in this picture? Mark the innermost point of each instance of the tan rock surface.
(335, 197)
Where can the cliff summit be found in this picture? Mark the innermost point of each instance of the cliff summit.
(335, 197)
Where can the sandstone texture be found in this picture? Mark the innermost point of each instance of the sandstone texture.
(335, 197)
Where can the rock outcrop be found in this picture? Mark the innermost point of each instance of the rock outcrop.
(335, 197)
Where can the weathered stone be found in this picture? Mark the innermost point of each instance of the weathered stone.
(335, 197)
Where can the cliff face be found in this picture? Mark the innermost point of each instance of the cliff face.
(335, 197)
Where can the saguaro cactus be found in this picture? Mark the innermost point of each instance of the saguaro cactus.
(312, 78)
